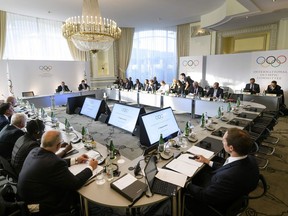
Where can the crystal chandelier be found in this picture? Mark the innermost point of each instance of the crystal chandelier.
(91, 32)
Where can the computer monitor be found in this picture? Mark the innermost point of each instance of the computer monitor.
(90, 107)
(125, 116)
(155, 123)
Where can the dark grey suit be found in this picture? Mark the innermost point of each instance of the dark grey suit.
(228, 183)
(8, 137)
(3, 122)
(46, 179)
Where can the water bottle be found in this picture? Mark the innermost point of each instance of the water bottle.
(206, 117)
(109, 169)
(187, 129)
(202, 121)
(238, 102)
(219, 112)
(229, 107)
(111, 150)
(161, 144)
(52, 101)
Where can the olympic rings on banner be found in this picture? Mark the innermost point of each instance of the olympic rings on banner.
(190, 63)
(271, 60)
(45, 68)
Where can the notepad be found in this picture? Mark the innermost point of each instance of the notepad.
(200, 151)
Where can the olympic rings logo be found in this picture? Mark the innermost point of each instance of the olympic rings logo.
(190, 63)
(45, 68)
(271, 60)
(158, 117)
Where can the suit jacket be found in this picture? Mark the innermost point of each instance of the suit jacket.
(219, 92)
(3, 122)
(228, 183)
(198, 91)
(80, 87)
(60, 89)
(45, 179)
(276, 90)
(256, 88)
(8, 137)
(21, 149)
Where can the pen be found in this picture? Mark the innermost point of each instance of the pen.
(194, 157)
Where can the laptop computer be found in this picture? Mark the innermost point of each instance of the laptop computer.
(156, 185)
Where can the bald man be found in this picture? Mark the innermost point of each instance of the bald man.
(46, 180)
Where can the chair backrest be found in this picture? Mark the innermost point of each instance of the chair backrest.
(238, 206)
(7, 170)
(28, 94)
(262, 181)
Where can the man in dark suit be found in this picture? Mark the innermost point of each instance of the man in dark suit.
(273, 88)
(83, 86)
(62, 87)
(6, 111)
(215, 92)
(197, 90)
(46, 180)
(237, 177)
(252, 87)
(10, 133)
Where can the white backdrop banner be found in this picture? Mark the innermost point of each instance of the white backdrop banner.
(268, 66)
(192, 66)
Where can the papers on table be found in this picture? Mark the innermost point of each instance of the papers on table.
(171, 177)
(200, 151)
(182, 167)
(77, 168)
(125, 181)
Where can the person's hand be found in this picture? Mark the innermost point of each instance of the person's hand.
(83, 158)
(68, 147)
(64, 144)
(201, 158)
(93, 163)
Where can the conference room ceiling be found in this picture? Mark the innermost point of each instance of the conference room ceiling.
(151, 14)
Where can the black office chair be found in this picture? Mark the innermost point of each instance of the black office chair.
(240, 204)
(7, 170)
(28, 94)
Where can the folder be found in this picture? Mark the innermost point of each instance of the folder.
(129, 187)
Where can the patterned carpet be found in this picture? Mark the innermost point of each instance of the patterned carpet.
(274, 203)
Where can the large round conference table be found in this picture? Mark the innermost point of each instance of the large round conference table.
(104, 195)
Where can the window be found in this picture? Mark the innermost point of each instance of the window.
(154, 54)
(32, 38)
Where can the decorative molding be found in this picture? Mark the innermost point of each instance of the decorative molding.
(271, 28)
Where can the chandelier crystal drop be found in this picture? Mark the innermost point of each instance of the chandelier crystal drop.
(91, 32)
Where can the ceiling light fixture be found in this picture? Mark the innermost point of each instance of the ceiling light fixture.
(91, 32)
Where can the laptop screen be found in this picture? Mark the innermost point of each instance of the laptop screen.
(150, 170)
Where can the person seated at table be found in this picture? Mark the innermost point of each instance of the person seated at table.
(138, 85)
(146, 85)
(197, 90)
(163, 88)
(131, 82)
(173, 86)
(252, 87)
(10, 133)
(28, 141)
(183, 78)
(179, 88)
(127, 84)
(6, 111)
(12, 100)
(273, 88)
(46, 180)
(219, 185)
(152, 86)
(121, 84)
(215, 92)
(62, 88)
(156, 83)
(83, 86)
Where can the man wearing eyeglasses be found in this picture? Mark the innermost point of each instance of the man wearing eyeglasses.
(46, 180)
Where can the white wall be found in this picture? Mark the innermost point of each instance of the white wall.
(26, 75)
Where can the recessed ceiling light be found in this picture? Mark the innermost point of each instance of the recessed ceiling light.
(273, 0)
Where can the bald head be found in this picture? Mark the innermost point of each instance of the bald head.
(51, 139)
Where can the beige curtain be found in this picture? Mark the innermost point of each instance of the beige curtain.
(2, 32)
(183, 40)
(124, 45)
(76, 53)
